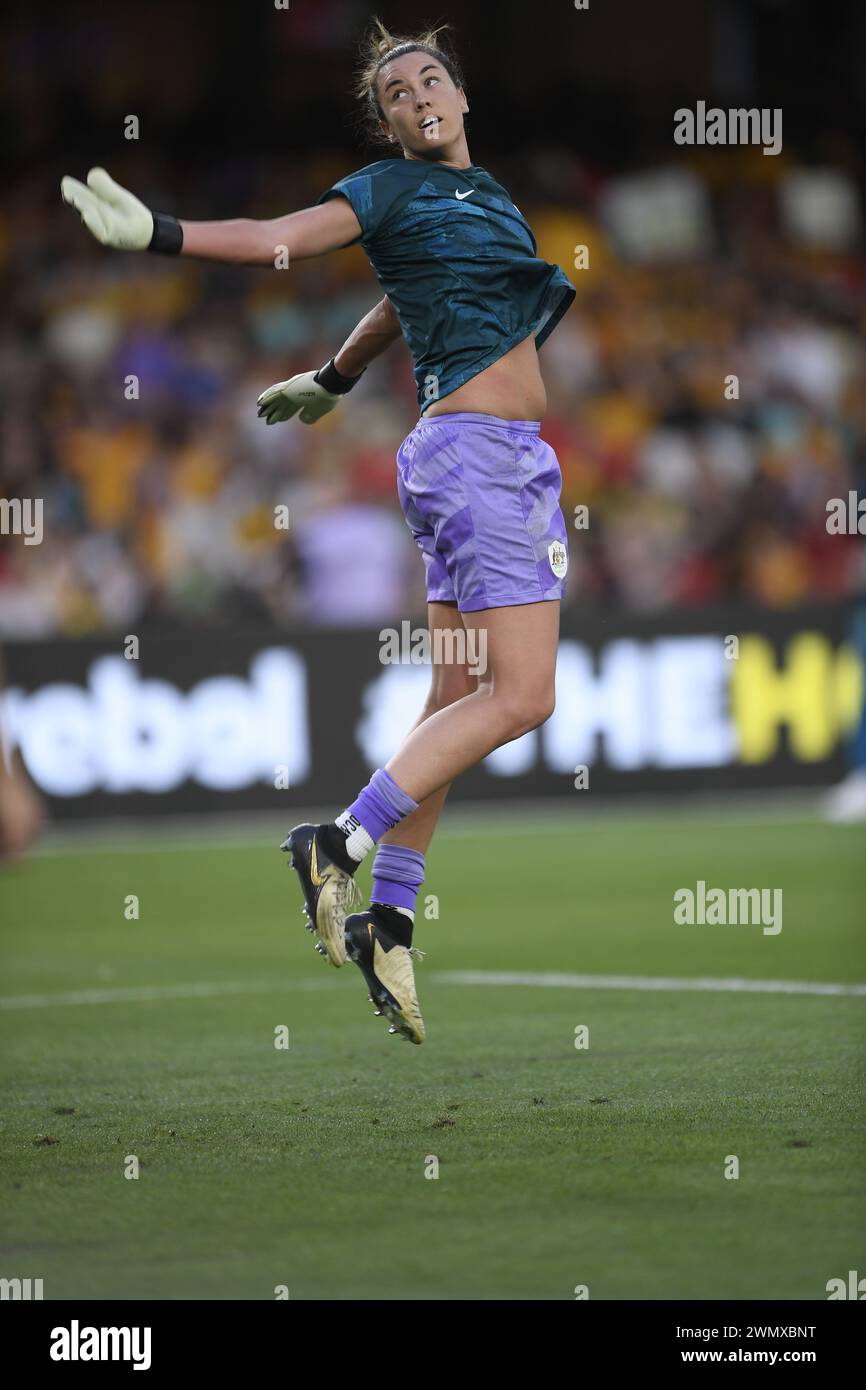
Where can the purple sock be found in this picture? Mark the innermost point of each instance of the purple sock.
(398, 873)
(378, 808)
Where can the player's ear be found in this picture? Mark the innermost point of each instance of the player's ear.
(464, 104)
(387, 131)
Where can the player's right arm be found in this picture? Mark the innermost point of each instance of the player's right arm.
(310, 395)
(118, 219)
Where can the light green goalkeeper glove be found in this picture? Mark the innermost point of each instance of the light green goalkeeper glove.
(314, 394)
(117, 218)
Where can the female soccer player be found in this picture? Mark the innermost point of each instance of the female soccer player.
(478, 486)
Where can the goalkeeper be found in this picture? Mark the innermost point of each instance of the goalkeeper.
(479, 487)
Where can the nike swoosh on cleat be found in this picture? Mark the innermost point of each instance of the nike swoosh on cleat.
(461, 196)
(318, 879)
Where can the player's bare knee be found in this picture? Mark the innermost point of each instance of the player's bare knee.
(518, 712)
(546, 707)
(532, 710)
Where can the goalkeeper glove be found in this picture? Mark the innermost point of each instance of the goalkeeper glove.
(314, 394)
(117, 218)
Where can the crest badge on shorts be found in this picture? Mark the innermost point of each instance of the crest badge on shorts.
(558, 556)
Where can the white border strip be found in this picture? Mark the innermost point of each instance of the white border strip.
(647, 982)
(497, 978)
(160, 834)
(145, 993)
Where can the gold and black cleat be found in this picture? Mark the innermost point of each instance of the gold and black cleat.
(388, 970)
(329, 890)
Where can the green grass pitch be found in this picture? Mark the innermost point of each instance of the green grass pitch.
(557, 1167)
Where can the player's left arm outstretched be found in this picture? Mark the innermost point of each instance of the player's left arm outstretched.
(116, 218)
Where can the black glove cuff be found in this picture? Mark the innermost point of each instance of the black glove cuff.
(334, 381)
(167, 236)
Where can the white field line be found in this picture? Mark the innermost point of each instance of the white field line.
(646, 982)
(497, 978)
(138, 994)
(482, 820)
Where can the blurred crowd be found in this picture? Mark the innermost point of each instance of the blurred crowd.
(704, 403)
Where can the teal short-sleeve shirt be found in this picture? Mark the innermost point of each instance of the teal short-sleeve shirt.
(457, 259)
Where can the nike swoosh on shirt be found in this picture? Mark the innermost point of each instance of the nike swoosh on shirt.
(461, 196)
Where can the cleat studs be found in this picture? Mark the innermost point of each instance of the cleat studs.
(321, 949)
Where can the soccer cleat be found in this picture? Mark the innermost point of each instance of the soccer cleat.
(329, 892)
(389, 973)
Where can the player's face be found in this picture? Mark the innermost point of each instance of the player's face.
(422, 108)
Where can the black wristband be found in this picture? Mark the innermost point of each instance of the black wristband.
(167, 236)
(334, 381)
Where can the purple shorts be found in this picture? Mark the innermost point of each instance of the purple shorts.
(481, 497)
